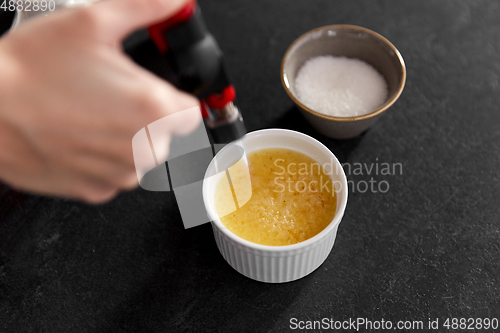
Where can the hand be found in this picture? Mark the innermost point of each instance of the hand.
(71, 100)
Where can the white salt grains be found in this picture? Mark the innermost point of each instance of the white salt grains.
(340, 86)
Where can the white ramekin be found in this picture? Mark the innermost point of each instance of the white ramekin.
(278, 263)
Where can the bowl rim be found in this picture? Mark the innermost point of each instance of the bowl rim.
(339, 212)
(378, 111)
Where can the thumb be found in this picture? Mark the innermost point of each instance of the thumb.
(121, 17)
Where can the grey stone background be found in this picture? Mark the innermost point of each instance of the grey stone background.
(428, 248)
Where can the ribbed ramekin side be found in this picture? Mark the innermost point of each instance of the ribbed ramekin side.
(270, 267)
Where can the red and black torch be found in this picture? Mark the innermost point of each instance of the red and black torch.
(182, 51)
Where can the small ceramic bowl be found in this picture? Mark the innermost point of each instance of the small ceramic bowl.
(276, 263)
(352, 42)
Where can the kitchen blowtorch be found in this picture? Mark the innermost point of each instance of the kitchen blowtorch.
(182, 51)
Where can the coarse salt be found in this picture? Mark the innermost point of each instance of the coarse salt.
(340, 86)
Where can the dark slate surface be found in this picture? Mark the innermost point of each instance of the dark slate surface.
(428, 248)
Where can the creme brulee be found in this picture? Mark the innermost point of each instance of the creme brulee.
(292, 199)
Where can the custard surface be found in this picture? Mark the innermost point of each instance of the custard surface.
(292, 198)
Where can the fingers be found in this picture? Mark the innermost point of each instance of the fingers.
(157, 99)
(93, 181)
(94, 192)
(105, 171)
(178, 112)
(183, 122)
(121, 17)
(85, 189)
(81, 186)
(67, 185)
